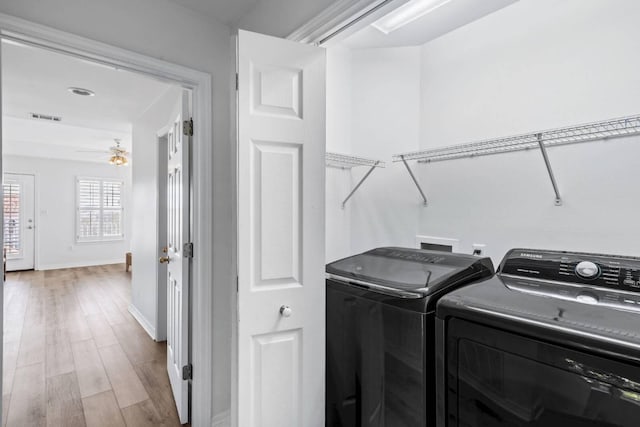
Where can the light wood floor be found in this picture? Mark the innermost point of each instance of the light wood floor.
(74, 356)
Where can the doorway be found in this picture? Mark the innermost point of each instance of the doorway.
(178, 77)
(19, 226)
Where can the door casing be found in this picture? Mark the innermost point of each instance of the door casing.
(200, 84)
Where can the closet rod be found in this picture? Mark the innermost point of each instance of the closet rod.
(602, 130)
(607, 129)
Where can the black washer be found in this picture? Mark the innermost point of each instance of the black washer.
(552, 340)
(380, 333)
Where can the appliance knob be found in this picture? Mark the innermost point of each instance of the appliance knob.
(587, 270)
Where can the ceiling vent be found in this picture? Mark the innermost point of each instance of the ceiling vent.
(45, 117)
(81, 91)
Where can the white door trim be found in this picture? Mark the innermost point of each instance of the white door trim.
(200, 83)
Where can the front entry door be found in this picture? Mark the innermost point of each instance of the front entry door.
(19, 221)
(281, 298)
(177, 256)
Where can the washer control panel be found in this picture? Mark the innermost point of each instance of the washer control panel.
(604, 271)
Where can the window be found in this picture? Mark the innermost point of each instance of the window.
(12, 217)
(100, 211)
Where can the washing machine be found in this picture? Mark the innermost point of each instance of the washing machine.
(552, 340)
(380, 357)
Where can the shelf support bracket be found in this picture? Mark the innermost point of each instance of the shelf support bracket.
(415, 180)
(366, 175)
(543, 150)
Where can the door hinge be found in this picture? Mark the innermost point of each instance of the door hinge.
(187, 127)
(187, 250)
(187, 372)
(237, 81)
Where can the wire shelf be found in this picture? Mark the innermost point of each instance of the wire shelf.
(344, 161)
(614, 128)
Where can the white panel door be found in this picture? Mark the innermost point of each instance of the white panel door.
(178, 263)
(19, 221)
(281, 298)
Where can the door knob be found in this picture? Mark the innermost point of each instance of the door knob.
(285, 311)
(30, 227)
(164, 260)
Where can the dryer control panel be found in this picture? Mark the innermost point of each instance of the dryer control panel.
(606, 271)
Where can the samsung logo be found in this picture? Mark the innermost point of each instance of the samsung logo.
(535, 256)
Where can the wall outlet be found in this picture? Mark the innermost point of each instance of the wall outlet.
(479, 249)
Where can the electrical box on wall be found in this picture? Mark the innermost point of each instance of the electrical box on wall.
(433, 243)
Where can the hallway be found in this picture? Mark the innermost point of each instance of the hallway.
(74, 356)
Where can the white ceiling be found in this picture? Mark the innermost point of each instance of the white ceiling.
(448, 17)
(35, 80)
(228, 12)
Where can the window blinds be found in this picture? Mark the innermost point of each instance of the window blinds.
(100, 210)
(12, 218)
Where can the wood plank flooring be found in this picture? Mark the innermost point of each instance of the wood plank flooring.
(74, 356)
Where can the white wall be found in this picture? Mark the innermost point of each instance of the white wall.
(385, 120)
(149, 305)
(534, 65)
(373, 110)
(55, 217)
(338, 181)
(165, 30)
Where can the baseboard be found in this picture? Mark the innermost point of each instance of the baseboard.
(146, 325)
(76, 264)
(223, 419)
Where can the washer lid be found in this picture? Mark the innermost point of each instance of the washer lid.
(418, 271)
(565, 317)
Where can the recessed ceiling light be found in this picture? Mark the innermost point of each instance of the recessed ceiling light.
(80, 91)
(406, 13)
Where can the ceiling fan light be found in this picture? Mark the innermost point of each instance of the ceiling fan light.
(118, 157)
(118, 160)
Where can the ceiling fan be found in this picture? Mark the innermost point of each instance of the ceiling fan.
(118, 153)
